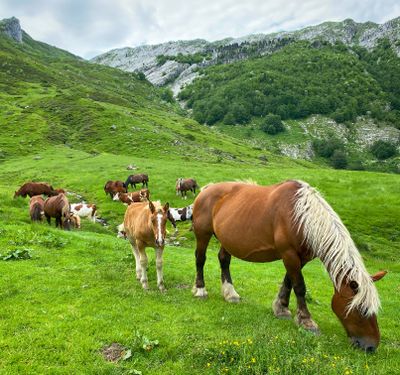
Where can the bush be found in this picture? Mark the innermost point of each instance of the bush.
(339, 159)
(383, 150)
(272, 124)
(327, 147)
(167, 95)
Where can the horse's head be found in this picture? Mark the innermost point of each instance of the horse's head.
(67, 221)
(144, 195)
(17, 194)
(158, 222)
(361, 328)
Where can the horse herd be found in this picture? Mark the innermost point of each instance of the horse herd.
(290, 221)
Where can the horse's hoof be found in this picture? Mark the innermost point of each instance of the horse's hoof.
(162, 288)
(199, 292)
(281, 312)
(145, 286)
(308, 325)
(229, 293)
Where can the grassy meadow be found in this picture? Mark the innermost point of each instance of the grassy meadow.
(77, 294)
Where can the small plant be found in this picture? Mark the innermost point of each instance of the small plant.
(18, 254)
(144, 343)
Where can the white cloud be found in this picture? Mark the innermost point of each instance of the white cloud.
(90, 27)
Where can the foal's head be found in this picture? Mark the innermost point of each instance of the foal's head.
(362, 328)
(158, 222)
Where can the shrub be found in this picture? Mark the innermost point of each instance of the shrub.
(167, 95)
(272, 124)
(327, 147)
(339, 159)
(383, 150)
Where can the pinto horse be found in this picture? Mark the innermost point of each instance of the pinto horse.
(186, 184)
(145, 226)
(114, 187)
(36, 206)
(142, 195)
(134, 179)
(35, 188)
(180, 214)
(292, 222)
(59, 208)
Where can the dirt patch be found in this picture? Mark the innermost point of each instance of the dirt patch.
(182, 286)
(113, 352)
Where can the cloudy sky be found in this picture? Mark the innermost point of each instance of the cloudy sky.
(90, 27)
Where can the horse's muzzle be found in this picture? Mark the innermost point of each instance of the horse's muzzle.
(160, 242)
(363, 344)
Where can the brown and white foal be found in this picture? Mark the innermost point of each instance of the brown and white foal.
(145, 226)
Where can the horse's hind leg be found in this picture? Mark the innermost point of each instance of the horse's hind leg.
(281, 304)
(136, 254)
(159, 265)
(303, 317)
(202, 241)
(228, 291)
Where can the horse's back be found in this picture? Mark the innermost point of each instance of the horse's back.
(250, 221)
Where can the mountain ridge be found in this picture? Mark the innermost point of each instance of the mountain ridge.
(177, 74)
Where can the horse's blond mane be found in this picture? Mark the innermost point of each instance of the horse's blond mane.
(329, 240)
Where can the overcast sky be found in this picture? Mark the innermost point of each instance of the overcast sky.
(90, 27)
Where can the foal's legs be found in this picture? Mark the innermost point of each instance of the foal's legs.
(227, 289)
(281, 304)
(143, 264)
(159, 264)
(136, 254)
(202, 241)
(293, 267)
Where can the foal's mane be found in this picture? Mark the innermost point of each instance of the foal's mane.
(329, 240)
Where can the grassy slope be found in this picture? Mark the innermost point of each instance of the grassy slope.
(78, 293)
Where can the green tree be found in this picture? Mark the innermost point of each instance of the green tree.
(272, 124)
(339, 159)
(383, 150)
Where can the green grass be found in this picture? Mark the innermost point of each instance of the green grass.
(78, 293)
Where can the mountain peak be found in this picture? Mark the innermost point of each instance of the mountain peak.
(12, 28)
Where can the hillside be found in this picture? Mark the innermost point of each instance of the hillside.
(180, 60)
(50, 97)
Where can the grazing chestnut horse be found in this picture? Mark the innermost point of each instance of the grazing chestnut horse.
(59, 208)
(144, 226)
(134, 179)
(35, 188)
(292, 222)
(143, 195)
(114, 187)
(36, 205)
(186, 184)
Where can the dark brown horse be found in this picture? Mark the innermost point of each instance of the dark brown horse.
(134, 179)
(184, 185)
(114, 187)
(145, 226)
(292, 222)
(35, 188)
(36, 205)
(59, 208)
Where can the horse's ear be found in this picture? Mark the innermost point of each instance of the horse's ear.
(166, 207)
(378, 275)
(151, 206)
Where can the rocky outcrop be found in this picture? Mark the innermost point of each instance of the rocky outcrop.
(12, 28)
(176, 74)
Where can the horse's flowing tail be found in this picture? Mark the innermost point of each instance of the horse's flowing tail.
(329, 240)
(36, 212)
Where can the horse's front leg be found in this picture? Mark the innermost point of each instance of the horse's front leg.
(143, 265)
(48, 219)
(159, 268)
(202, 240)
(228, 291)
(136, 255)
(281, 304)
(293, 267)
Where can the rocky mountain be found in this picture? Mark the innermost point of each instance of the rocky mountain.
(12, 28)
(176, 63)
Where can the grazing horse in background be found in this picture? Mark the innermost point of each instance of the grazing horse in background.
(142, 195)
(134, 179)
(35, 188)
(36, 205)
(83, 209)
(292, 222)
(114, 187)
(75, 220)
(59, 208)
(59, 191)
(186, 184)
(145, 226)
(180, 214)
